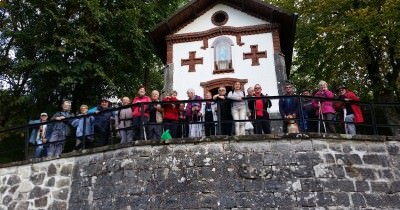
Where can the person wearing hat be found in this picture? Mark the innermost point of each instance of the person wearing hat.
(39, 135)
(102, 122)
(351, 112)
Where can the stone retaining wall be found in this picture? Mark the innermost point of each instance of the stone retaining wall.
(323, 173)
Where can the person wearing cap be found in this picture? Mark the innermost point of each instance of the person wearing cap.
(60, 130)
(40, 135)
(351, 112)
(102, 122)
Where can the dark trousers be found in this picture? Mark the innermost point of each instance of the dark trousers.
(262, 124)
(138, 133)
(209, 126)
(172, 126)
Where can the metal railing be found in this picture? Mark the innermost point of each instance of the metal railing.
(379, 119)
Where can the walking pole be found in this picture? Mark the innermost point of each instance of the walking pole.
(322, 115)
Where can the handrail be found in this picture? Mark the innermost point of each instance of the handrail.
(368, 107)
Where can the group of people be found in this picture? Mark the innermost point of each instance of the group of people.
(320, 115)
(236, 112)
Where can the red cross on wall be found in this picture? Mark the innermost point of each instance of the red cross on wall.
(192, 61)
(254, 55)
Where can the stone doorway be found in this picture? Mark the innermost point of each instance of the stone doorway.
(228, 83)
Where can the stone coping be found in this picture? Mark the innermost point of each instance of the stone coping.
(219, 138)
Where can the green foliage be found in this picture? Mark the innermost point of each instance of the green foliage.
(77, 50)
(348, 41)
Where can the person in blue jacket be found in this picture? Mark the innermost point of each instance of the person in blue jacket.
(102, 122)
(84, 128)
(40, 135)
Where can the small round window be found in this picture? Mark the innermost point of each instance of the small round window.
(219, 18)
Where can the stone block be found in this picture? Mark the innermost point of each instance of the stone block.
(395, 187)
(329, 158)
(345, 185)
(38, 192)
(23, 205)
(306, 199)
(325, 199)
(329, 185)
(310, 185)
(374, 159)
(362, 186)
(339, 171)
(324, 171)
(66, 170)
(285, 200)
(271, 159)
(208, 200)
(391, 200)
(227, 200)
(308, 158)
(349, 159)
(13, 180)
(252, 200)
(41, 202)
(37, 179)
(302, 171)
(6, 200)
(319, 145)
(393, 148)
(282, 171)
(358, 200)
(189, 200)
(342, 199)
(61, 194)
(50, 182)
(170, 202)
(51, 170)
(379, 187)
(302, 145)
(360, 173)
(336, 147)
(377, 148)
(386, 174)
(276, 185)
(82, 205)
(373, 200)
(25, 187)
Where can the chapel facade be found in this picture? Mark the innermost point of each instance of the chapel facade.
(208, 44)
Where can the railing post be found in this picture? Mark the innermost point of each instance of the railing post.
(142, 123)
(26, 143)
(373, 119)
(219, 131)
(84, 133)
(302, 120)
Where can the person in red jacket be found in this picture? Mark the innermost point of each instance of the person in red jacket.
(351, 112)
(137, 110)
(171, 113)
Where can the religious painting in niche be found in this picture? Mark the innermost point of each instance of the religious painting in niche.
(222, 55)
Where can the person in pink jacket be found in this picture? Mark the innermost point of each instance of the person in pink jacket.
(325, 109)
(137, 110)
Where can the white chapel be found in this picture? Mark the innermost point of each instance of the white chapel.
(207, 44)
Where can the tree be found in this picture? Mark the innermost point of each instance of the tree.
(77, 50)
(351, 41)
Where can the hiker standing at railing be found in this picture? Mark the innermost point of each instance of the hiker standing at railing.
(209, 117)
(260, 108)
(171, 114)
(123, 121)
(325, 109)
(139, 131)
(156, 117)
(223, 110)
(307, 125)
(102, 122)
(193, 114)
(84, 128)
(239, 108)
(288, 106)
(351, 112)
(40, 135)
(60, 130)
